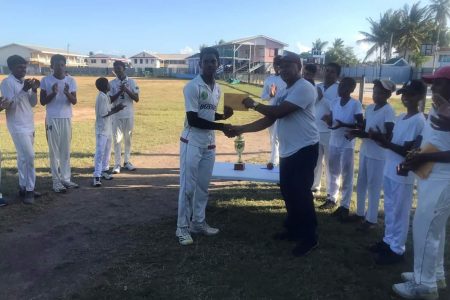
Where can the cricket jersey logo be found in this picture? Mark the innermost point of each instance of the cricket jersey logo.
(203, 95)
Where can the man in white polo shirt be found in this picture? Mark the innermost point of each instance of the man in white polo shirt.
(123, 91)
(58, 94)
(299, 146)
(20, 97)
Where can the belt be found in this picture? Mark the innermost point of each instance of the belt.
(187, 142)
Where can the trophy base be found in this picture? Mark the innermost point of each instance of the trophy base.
(239, 166)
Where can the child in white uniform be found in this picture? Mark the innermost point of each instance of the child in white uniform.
(346, 113)
(379, 116)
(21, 96)
(58, 94)
(398, 186)
(433, 204)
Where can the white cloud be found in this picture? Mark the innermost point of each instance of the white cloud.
(186, 50)
(302, 48)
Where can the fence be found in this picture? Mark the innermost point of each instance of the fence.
(396, 74)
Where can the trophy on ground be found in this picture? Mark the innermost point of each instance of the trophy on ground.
(239, 145)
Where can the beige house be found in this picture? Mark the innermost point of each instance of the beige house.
(144, 61)
(101, 60)
(38, 56)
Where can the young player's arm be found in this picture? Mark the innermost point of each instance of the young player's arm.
(416, 160)
(131, 93)
(46, 98)
(195, 121)
(359, 121)
(70, 93)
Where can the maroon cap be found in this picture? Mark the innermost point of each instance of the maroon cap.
(443, 72)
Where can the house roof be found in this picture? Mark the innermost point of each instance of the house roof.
(195, 56)
(396, 61)
(46, 50)
(247, 39)
(104, 55)
(171, 56)
(143, 54)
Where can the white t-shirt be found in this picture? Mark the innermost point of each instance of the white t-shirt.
(272, 80)
(441, 140)
(344, 114)
(199, 98)
(404, 131)
(124, 98)
(376, 119)
(60, 106)
(298, 129)
(103, 105)
(323, 106)
(19, 115)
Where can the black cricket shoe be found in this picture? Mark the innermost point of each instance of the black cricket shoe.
(389, 258)
(379, 247)
(327, 205)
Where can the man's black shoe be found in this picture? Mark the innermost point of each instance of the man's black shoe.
(389, 258)
(341, 213)
(327, 205)
(303, 248)
(379, 247)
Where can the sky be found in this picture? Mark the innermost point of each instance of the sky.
(175, 26)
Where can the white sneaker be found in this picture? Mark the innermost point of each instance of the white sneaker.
(412, 290)
(409, 276)
(129, 166)
(116, 169)
(97, 182)
(106, 175)
(70, 184)
(184, 237)
(59, 188)
(204, 229)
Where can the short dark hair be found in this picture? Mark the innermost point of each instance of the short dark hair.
(209, 50)
(350, 81)
(336, 66)
(15, 60)
(276, 60)
(311, 68)
(57, 57)
(101, 84)
(119, 63)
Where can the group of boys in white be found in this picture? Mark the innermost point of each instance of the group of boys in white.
(58, 94)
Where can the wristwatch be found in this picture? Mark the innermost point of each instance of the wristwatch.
(255, 104)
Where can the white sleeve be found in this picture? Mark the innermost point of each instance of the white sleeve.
(102, 106)
(302, 96)
(7, 91)
(191, 98)
(390, 115)
(134, 87)
(72, 85)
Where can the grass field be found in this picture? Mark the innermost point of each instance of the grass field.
(240, 263)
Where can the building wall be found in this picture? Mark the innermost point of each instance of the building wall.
(442, 59)
(145, 62)
(96, 62)
(12, 50)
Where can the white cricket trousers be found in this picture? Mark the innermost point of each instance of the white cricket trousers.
(122, 131)
(369, 183)
(274, 144)
(102, 154)
(432, 212)
(397, 208)
(25, 159)
(322, 161)
(196, 165)
(59, 137)
(341, 165)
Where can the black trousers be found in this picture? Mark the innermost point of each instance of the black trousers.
(296, 180)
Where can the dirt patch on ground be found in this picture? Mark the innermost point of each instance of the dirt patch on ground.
(59, 245)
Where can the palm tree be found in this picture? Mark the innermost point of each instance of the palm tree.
(415, 25)
(382, 34)
(319, 45)
(440, 9)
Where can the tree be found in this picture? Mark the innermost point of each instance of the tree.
(415, 25)
(319, 45)
(91, 53)
(220, 42)
(418, 59)
(340, 54)
(440, 10)
(200, 48)
(382, 34)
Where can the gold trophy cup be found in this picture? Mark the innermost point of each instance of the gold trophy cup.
(239, 146)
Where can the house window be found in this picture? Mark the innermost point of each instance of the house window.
(135, 60)
(140, 60)
(103, 61)
(444, 58)
(151, 61)
(93, 61)
(146, 61)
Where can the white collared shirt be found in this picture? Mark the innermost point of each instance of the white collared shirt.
(199, 98)
(103, 126)
(19, 115)
(124, 98)
(60, 107)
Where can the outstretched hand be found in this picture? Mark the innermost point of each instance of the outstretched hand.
(115, 109)
(338, 125)
(248, 102)
(355, 133)
(378, 137)
(231, 131)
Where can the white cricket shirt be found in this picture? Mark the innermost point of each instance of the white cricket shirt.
(344, 114)
(60, 106)
(128, 111)
(103, 126)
